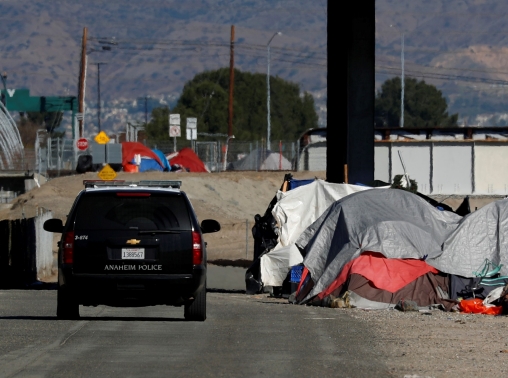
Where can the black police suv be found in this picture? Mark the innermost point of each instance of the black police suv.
(132, 244)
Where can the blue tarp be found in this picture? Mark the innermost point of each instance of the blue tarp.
(148, 164)
(296, 183)
(162, 157)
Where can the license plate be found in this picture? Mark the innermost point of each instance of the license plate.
(133, 253)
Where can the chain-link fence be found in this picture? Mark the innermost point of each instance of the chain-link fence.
(58, 154)
(48, 154)
(237, 156)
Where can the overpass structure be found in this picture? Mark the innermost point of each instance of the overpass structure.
(21, 101)
(15, 178)
(351, 91)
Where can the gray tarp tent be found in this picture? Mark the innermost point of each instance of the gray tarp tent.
(399, 224)
(262, 160)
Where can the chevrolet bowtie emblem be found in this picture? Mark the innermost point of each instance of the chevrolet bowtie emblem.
(133, 241)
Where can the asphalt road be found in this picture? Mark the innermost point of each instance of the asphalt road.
(243, 336)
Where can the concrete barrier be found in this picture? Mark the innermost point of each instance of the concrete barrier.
(25, 251)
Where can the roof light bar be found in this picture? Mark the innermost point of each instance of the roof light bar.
(122, 183)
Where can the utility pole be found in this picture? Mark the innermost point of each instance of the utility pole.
(82, 77)
(146, 111)
(231, 88)
(231, 80)
(268, 120)
(99, 94)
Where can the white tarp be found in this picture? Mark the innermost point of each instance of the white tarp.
(296, 210)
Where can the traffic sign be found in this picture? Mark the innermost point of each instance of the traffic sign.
(82, 144)
(192, 123)
(174, 119)
(101, 138)
(107, 173)
(174, 131)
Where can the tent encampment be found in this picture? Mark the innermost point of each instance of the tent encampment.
(261, 160)
(148, 158)
(399, 227)
(187, 159)
(294, 211)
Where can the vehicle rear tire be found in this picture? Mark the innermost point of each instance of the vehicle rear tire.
(67, 308)
(196, 309)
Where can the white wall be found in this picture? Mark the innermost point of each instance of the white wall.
(446, 167)
(313, 157)
(417, 160)
(452, 168)
(491, 168)
(382, 162)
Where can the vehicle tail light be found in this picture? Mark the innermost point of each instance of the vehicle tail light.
(197, 251)
(132, 194)
(68, 247)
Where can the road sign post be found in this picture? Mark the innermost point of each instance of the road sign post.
(82, 144)
(174, 128)
(192, 130)
(107, 173)
(102, 138)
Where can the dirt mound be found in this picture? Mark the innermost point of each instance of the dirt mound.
(233, 198)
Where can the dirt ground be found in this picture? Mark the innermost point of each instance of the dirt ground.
(414, 344)
(232, 198)
(438, 343)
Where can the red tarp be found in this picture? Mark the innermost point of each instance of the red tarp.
(188, 159)
(387, 274)
(476, 306)
(129, 149)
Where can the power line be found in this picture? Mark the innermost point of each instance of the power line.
(457, 69)
(434, 75)
(175, 42)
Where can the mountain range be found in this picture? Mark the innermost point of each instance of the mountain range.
(154, 47)
(150, 49)
(460, 46)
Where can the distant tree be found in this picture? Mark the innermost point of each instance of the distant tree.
(424, 105)
(31, 122)
(206, 98)
(48, 120)
(158, 127)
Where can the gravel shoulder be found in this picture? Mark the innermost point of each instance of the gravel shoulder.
(438, 343)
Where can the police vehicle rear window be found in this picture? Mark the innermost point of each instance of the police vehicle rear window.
(108, 211)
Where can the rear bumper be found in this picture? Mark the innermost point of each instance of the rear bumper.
(143, 289)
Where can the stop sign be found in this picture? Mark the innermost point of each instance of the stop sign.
(82, 144)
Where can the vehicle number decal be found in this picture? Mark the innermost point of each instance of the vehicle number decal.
(133, 253)
(81, 237)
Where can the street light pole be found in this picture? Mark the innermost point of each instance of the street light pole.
(146, 111)
(99, 94)
(402, 83)
(268, 90)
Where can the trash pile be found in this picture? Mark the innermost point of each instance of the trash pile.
(341, 245)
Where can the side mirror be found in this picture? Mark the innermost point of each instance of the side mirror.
(209, 225)
(53, 225)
